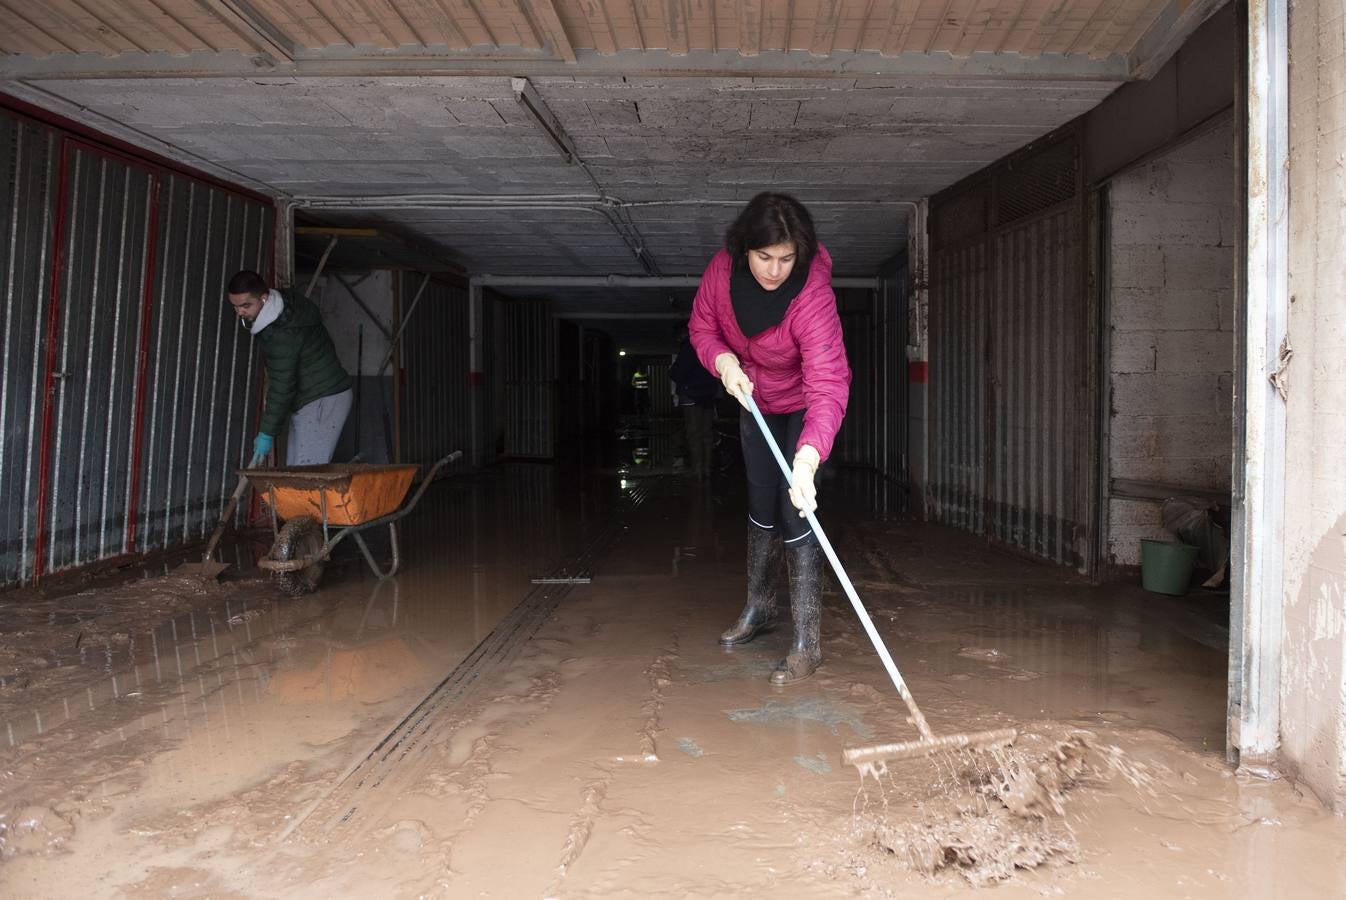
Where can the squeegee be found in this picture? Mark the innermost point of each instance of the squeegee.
(873, 760)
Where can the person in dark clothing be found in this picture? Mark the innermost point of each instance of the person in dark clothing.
(306, 384)
(696, 391)
(765, 319)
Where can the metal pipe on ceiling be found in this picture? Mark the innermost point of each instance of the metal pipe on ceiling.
(544, 201)
(630, 281)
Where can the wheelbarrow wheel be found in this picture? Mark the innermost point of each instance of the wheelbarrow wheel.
(299, 538)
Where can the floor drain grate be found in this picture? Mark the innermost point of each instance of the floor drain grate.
(354, 790)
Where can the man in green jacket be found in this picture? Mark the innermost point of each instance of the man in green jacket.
(306, 384)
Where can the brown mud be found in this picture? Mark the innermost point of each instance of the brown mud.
(620, 752)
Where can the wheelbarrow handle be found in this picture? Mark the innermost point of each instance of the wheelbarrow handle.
(425, 482)
(229, 509)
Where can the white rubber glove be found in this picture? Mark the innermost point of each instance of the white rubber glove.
(802, 492)
(735, 382)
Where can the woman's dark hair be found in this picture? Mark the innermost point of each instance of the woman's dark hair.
(771, 219)
(246, 282)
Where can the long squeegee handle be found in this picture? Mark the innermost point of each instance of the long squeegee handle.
(229, 509)
(917, 718)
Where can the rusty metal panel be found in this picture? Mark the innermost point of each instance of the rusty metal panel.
(436, 399)
(118, 372)
(28, 159)
(106, 211)
(526, 361)
(201, 386)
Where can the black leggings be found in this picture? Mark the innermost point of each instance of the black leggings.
(769, 506)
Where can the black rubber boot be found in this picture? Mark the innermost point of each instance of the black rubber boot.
(806, 601)
(764, 553)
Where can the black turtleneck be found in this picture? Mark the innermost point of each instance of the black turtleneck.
(756, 308)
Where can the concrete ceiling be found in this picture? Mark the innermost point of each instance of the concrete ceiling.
(642, 126)
(461, 164)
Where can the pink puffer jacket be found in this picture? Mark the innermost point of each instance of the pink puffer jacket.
(798, 364)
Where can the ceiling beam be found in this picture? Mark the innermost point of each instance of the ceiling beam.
(346, 62)
(544, 18)
(1168, 33)
(254, 26)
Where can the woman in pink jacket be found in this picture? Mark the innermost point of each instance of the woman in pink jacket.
(765, 320)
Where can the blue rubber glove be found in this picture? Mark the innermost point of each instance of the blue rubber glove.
(262, 445)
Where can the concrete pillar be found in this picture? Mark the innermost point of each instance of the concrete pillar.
(1313, 682)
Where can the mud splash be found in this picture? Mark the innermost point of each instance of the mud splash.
(990, 815)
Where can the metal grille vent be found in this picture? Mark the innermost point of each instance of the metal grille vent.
(959, 218)
(1037, 183)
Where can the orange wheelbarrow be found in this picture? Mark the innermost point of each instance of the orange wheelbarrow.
(323, 505)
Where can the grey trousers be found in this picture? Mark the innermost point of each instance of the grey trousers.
(315, 429)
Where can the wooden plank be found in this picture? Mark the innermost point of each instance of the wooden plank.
(394, 23)
(1048, 23)
(304, 24)
(826, 21)
(433, 24)
(352, 22)
(1142, 24)
(596, 32)
(1084, 15)
(143, 22)
(905, 13)
(256, 31)
(750, 28)
(1003, 16)
(29, 33)
(76, 29)
(1112, 36)
(941, 34)
(550, 24)
(650, 15)
(975, 24)
(474, 26)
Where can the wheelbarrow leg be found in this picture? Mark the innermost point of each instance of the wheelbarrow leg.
(369, 557)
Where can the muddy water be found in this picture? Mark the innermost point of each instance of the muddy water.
(622, 752)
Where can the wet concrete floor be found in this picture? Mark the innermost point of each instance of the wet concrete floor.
(537, 707)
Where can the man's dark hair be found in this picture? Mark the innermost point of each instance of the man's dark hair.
(248, 282)
(771, 219)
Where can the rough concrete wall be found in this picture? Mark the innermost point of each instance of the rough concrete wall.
(1173, 233)
(1313, 706)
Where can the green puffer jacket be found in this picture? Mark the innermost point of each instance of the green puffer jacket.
(301, 362)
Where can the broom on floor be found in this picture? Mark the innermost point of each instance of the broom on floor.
(873, 760)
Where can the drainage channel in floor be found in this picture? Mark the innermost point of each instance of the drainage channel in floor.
(399, 754)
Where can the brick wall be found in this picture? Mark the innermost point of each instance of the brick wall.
(1173, 232)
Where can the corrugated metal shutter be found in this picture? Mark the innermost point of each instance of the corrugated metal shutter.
(1010, 349)
(527, 377)
(127, 386)
(436, 390)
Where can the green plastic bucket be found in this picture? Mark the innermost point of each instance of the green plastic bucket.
(1166, 566)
